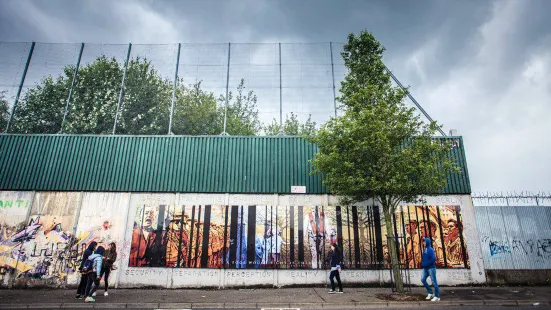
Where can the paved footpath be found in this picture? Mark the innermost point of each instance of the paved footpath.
(304, 298)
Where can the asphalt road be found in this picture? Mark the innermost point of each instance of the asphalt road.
(432, 307)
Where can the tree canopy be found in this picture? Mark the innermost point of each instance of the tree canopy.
(4, 111)
(379, 148)
(145, 108)
(291, 127)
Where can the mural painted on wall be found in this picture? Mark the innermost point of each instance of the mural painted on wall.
(14, 207)
(217, 236)
(44, 246)
(442, 224)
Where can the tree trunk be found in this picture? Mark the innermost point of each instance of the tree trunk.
(394, 260)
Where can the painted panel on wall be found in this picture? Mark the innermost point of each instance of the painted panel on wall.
(14, 209)
(48, 254)
(102, 218)
(515, 237)
(237, 236)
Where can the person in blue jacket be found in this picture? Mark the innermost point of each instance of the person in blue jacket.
(94, 274)
(429, 270)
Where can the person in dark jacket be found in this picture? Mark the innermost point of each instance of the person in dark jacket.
(93, 275)
(429, 270)
(109, 258)
(335, 259)
(83, 277)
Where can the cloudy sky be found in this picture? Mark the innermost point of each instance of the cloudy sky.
(481, 67)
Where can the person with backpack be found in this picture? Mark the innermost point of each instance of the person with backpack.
(93, 268)
(428, 263)
(84, 277)
(109, 258)
(335, 259)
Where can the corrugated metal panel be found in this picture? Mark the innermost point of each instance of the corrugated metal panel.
(515, 237)
(168, 164)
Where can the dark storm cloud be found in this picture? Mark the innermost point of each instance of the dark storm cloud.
(479, 66)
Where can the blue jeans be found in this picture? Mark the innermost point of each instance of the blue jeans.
(431, 272)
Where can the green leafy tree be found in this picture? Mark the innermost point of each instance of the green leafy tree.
(145, 108)
(379, 148)
(242, 112)
(196, 112)
(4, 111)
(93, 105)
(291, 127)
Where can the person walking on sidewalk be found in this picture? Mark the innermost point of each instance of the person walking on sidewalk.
(335, 259)
(93, 274)
(429, 270)
(84, 277)
(109, 258)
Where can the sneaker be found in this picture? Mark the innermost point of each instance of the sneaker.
(89, 299)
(94, 294)
(340, 292)
(429, 296)
(435, 299)
(78, 296)
(105, 294)
(332, 292)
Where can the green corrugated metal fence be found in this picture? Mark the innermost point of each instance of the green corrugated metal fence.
(199, 164)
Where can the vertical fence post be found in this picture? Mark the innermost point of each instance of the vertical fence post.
(333, 76)
(280, 96)
(71, 89)
(122, 87)
(20, 86)
(227, 92)
(175, 85)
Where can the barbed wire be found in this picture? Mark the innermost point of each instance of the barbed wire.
(513, 197)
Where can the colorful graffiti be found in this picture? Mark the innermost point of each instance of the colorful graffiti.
(215, 236)
(46, 247)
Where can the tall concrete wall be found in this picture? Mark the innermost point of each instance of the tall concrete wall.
(516, 243)
(44, 235)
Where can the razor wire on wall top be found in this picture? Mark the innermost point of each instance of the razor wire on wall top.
(92, 83)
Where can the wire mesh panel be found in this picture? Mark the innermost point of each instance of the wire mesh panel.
(97, 89)
(202, 75)
(148, 90)
(257, 67)
(45, 89)
(13, 57)
(307, 81)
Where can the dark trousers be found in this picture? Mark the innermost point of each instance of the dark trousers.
(82, 285)
(105, 275)
(92, 284)
(335, 274)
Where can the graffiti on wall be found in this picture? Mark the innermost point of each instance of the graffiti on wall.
(45, 247)
(217, 236)
(515, 237)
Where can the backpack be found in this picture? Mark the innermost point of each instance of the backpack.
(87, 266)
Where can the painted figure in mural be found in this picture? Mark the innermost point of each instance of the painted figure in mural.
(413, 247)
(259, 251)
(315, 234)
(84, 277)
(428, 264)
(335, 260)
(109, 258)
(436, 241)
(274, 244)
(148, 240)
(453, 244)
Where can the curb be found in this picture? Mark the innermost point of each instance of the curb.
(245, 305)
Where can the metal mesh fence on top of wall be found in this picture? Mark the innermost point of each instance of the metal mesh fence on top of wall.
(85, 84)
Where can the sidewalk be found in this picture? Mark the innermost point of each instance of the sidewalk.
(311, 298)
